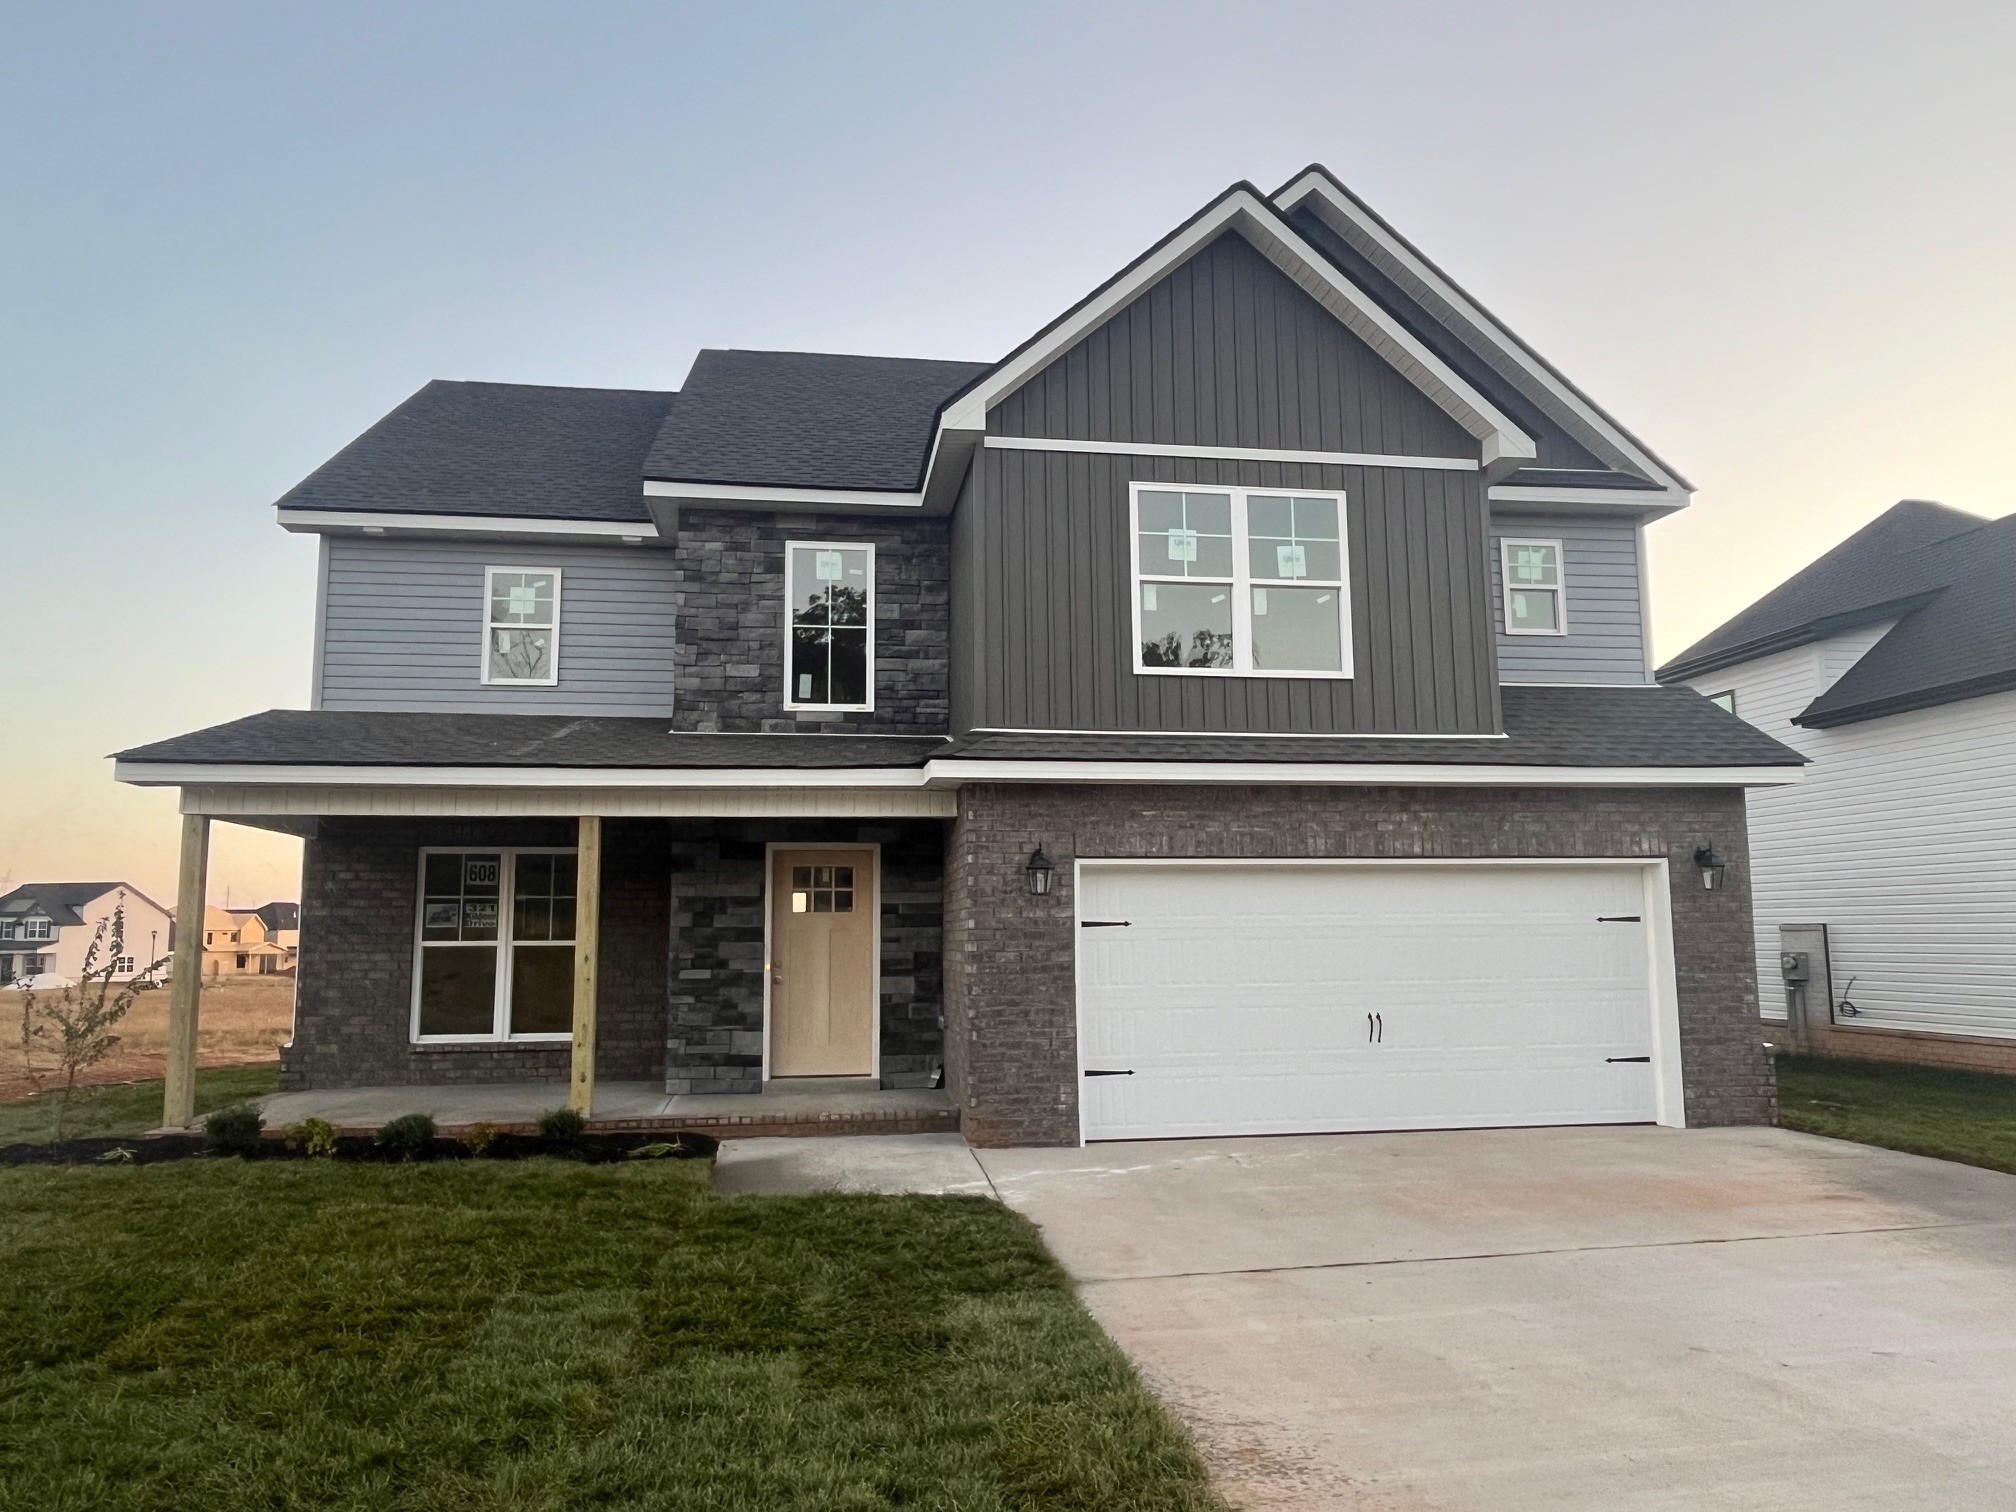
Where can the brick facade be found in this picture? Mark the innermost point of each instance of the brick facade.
(729, 644)
(682, 953)
(353, 1001)
(1011, 1053)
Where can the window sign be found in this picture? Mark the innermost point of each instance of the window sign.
(826, 566)
(479, 916)
(1291, 561)
(480, 873)
(444, 916)
(1182, 545)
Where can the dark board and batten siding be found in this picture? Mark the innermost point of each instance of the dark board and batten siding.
(1044, 575)
(1605, 642)
(1228, 351)
(403, 628)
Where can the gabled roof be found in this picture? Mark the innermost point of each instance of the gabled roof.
(1942, 575)
(805, 420)
(1572, 431)
(279, 915)
(59, 902)
(504, 449)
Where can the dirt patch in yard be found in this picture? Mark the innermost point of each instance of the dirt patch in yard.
(245, 1022)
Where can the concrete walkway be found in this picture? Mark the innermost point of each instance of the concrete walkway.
(1601, 1319)
(930, 1164)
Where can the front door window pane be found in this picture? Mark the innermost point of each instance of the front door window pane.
(1297, 630)
(458, 990)
(1186, 624)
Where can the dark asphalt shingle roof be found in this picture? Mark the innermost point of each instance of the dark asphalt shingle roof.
(1944, 576)
(333, 737)
(497, 449)
(59, 902)
(1621, 726)
(805, 419)
(1544, 727)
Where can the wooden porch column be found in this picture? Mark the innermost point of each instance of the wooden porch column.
(178, 1100)
(587, 942)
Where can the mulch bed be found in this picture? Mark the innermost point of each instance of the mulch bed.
(594, 1149)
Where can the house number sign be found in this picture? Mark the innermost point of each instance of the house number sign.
(479, 874)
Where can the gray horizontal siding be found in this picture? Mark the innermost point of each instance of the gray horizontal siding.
(1228, 351)
(1043, 570)
(1605, 642)
(402, 628)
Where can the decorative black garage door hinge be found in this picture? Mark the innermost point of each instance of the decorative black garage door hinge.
(1620, 919)
(1105, 923)
(1109, 1073)
(1618, 1060)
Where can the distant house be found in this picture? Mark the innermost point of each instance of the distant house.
(251, 941)
(1889, 875)
(46, 928)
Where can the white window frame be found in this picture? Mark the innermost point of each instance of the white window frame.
(123, 965)
(500, 1005)
(1728, 693)
(37, 929)
(1242, 582)
(490, 626)
(791, 548)
(1559, 590)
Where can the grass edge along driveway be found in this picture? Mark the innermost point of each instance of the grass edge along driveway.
(1965, 1116)
(540, 1335)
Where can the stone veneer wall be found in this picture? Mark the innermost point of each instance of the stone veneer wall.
(715, 1026)
(1010, 988)
(728, 654)
(353, 999)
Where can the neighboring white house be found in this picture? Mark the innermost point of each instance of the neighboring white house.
(1891, 663)
(46, 928)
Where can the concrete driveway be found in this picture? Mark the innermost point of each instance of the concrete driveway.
(1556, 1318)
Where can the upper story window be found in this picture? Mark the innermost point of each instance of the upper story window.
(1535, 598)
(829, 593)
(1240, 583)
(25, 929)
(521, 625)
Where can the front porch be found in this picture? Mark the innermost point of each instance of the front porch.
(821, 1106)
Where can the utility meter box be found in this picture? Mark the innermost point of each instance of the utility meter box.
(1795, 965)
(1809, 985)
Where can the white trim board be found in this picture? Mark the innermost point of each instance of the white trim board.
(1226, 453)
(951, 771)
(1333, 204)
(1261, 734)
(319, 521)
(770, 497)
(1643, 503)
(1260, 223)
(226, 801)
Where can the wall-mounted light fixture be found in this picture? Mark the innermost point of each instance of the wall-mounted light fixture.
(1712, 870)
(1039, 872)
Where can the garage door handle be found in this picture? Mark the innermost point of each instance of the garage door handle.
(1620, 919)
(1619, 1060)
(1105, 923)
(1109, 1073)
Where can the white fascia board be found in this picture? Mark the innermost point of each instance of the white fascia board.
(1644, 503)
(321, 521)
(1333, 205)
(1261, 224)
(1355, 774)
(1229, 453)
(789, 498)
(177, 774)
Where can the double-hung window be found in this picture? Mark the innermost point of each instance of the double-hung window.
(1535, 596)
(829, 596)
(1241, 582)
(521, 625)
(495, 954)
(36, 929)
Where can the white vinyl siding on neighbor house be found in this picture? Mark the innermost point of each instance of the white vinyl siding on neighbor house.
(1601, 602)
(404, 626)
(1901, 840)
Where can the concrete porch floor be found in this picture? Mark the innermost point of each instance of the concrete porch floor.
(794, 1107)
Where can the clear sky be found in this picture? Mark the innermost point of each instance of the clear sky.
(1777, 240)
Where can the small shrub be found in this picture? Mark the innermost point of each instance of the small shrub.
(234, 1131)
(562, 1124)
(478, 1137)
(410, 1136)
(311, 1136)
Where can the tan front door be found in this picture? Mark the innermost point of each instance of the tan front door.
(822, 963)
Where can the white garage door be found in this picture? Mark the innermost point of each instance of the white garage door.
(1248, 999)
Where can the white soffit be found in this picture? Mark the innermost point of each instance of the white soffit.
(1243, 211)
(1334, 205)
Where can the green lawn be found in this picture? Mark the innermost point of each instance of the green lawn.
(1969, 1116)
(544, 1335)
(131, 1108)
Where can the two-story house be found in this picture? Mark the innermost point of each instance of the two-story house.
(1227, 713)
(47, 930)
(250, 941)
